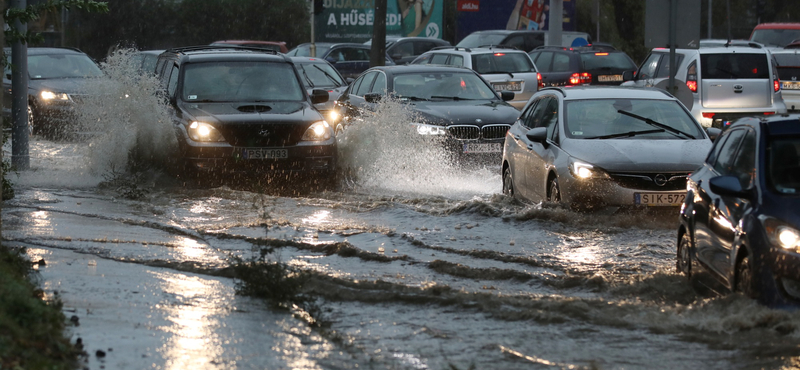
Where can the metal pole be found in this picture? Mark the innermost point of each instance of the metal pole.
(312, 50)
(20, 158)
(709, 18)
(673, 36)
(597, 3)
(556, 25)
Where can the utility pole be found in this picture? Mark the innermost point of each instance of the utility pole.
(377, 54)
(20, 158)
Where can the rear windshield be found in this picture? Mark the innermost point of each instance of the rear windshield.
(731, 66)
(775, 37)
(783, 165)
(481, 39)
(501, 62)
(787, 60)
(604, 60)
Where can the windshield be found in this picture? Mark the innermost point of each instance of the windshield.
(606, 60)
(305, 51)
(319, 75)
(442, 85)
(775, 37)
(241, 82)
(622, 118)
(783, 164)
(62, 66)
(502, 62)
(481, 39)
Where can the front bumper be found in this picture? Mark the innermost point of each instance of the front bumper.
(603, 192)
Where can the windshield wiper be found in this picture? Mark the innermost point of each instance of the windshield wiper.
(449, 97)
(626, 134)
(328, 75)
(650, 122)
(413, 98)
(308, 79)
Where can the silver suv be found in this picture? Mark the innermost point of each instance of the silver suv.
(789, 72)
(505, 69)
(718, 82)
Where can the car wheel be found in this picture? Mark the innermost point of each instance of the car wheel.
(744, 278)
(554, 192)
(508, 183)
(684, 260)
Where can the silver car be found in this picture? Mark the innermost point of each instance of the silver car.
(505, 69)
(719, 82)
(789, 72)
(592, 147)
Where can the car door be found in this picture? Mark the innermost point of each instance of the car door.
(538, 156)
(352, 101)
(712, 222)
(516, 148)
(645, 76)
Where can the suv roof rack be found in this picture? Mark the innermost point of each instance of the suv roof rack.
(499, 46)
(184, 49)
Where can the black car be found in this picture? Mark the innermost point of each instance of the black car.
(740, 225)
(57, 81)
(145, 60)
(245, 111)
(405, 49)
(454, 102)
(319, 74)
(596, 64)
(349, 59)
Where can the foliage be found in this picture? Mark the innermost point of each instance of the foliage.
(31, 329)
(33, 12)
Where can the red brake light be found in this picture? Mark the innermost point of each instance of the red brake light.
(768, 113)
(539, 80)
(776, 84)
(693, 86)
(580, 78)
(711, 115)
(499, 54)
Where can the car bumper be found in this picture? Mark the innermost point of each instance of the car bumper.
(484, 152)
(723, 117)
(792, 100)
(595, 193)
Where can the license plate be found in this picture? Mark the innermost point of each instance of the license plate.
(790, 85)
(507, 86)
(264, 153)
(659, 199)
(609, 78)
(483, 148)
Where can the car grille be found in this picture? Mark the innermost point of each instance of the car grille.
(647, 181)
(272, 135)
(469, 132)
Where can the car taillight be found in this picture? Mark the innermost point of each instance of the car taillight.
(711, 115)
(580, 78)
(691, 78)
(539, 80)
(776, 84)
(692, 85)
(768, 113)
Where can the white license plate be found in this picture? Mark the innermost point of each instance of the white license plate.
(483, 148)
(609, 78)
(264, 153)
(659, 199)
(508, 86)
(790, 85)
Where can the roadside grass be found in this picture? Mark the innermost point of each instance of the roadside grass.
(32, 330)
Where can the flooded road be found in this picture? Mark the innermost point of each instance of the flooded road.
(416, 264)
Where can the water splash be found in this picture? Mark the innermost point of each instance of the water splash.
(382, 151)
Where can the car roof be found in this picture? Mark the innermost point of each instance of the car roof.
(507, 32)
(48, 50)
(309, 60)
(417, 68)
(219, 53)
(787, 124)
(250, 42)
(609, 92)
(478, 50)
(778, 25)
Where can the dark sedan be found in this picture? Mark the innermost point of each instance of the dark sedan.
(740, 224)
(319, 74)
(349, 59)
(453, 102)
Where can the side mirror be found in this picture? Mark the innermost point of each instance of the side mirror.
(349, 80)
(537, 135)
(728, 185)
(507, 95)
(713, 133)
(319, 96)
(397, 57)
(628, 75)
(373, 97)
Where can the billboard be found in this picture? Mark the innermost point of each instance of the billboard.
(478, 15)
(352, 20)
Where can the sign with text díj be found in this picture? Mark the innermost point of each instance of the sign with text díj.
(352, 20)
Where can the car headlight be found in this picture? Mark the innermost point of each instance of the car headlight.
(582, 170)
(333, 115)
(781, 234)
(318, 131)
(53, 96)
(424, 129)
(201, 131)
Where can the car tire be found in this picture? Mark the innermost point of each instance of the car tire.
(684, 257)
(553, 191)
(744, 278)
(508, 182)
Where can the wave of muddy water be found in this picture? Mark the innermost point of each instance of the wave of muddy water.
(420, 265)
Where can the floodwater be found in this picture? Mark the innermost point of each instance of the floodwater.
(419, 264)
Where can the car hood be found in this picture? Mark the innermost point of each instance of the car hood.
(64, 85)
(466, 112)
(250, 112)
(631, 155)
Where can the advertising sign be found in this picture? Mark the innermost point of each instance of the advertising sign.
(352, 20)
(478, 15)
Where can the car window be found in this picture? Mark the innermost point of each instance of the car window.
(404, 49)
(366, 84)
(173, 81)
(526, 118)
(543, 113)
(593, 118)
(379, 86)
(734, 65)
(606, 60)
(502, 62)
(744, 166)
(439, 59)
(783, 164)
(534, 40)
(456, 60)
(775, 37)
(724, 164)
(648, 68)
(516, 41)
(442, 85)
(560, 62)
(663, 67)
(423, 46)
(544, 61)
(319, 75)
(241, 81)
